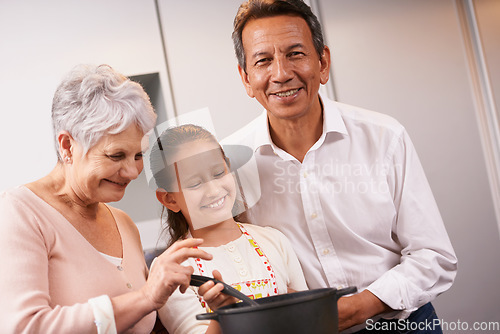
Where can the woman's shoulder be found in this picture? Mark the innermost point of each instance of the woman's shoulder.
(15, 193)
(21, 199)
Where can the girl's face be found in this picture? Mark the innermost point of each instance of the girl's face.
(207, 189)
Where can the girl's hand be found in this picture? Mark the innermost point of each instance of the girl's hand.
(212, 293)
(167, 273)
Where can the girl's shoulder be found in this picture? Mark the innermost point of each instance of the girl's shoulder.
(266, 232)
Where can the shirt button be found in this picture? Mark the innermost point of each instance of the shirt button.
(230, 247)
(243, 272)
(305, 174)
(314, 215)
(237, 259)
(120, 268)
(129, 285)
(326, 251)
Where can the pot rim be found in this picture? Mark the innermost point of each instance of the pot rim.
(308, 295)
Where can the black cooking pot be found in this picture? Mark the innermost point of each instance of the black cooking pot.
(311, 311)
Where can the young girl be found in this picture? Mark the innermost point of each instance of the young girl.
(196, 186)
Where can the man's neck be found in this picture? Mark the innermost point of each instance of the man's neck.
(297, 136)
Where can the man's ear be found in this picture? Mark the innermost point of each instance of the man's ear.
(246, 82)
(168, 200)
(324, 63)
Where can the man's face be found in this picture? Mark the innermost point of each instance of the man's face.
(284, 70)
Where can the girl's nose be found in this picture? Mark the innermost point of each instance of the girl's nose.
(212, 188)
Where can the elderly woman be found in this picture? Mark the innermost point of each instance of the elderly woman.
(70, 263)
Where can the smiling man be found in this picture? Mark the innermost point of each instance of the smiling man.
(343, 183)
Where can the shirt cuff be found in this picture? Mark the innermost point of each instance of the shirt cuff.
(394, 292)
(104, 317)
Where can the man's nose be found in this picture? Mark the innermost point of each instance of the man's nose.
(281, 70)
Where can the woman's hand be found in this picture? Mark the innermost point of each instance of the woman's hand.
(167, 273)
(212, 294)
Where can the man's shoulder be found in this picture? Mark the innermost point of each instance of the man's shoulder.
(359, 118)
(357, 114)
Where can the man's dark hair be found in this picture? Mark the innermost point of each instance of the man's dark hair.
(255, 9)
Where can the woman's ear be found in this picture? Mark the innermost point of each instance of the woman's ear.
(168, 200)
(65, 142)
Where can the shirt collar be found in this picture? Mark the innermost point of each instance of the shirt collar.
(332, 122)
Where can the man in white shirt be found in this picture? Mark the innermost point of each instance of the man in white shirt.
(344, 184)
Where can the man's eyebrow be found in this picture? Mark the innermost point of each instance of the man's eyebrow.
(266, 53)
(259, 54)
(295, 46)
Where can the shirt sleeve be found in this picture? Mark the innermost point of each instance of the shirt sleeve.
(178, 315)
(24, 285)
(428, 263)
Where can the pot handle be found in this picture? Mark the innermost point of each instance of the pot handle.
(346, 291)
(207, 316)
(197, 280)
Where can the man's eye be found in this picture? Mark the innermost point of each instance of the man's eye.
(296, 54)
(139, 156)
(262, 61)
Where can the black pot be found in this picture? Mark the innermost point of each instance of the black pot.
(312, 311)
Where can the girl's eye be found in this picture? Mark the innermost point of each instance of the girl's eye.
(220, 174)
(193, 185)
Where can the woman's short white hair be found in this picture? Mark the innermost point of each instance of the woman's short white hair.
(94, 101)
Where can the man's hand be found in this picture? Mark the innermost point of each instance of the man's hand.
(356, 309)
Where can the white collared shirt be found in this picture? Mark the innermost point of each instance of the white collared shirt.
(358, 210)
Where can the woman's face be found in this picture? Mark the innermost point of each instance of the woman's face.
(108, 167)
(207, 188)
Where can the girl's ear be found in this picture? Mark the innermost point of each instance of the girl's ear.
(168, 200)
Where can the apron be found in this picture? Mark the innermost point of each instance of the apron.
(256, 288)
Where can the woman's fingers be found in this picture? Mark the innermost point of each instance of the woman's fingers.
(180, 251)
(168, 273)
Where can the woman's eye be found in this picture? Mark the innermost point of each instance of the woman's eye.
(115, 156)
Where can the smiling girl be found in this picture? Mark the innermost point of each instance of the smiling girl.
(197, 186)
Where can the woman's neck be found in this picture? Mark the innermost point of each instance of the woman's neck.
(217, 234)
(55, 189)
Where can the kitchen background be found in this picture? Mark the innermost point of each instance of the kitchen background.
(434, 65)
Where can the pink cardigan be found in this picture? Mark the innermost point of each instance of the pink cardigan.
(49, 270)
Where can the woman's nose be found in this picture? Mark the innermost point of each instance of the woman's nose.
(131, 169)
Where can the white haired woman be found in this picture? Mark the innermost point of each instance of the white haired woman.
(70, 263)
